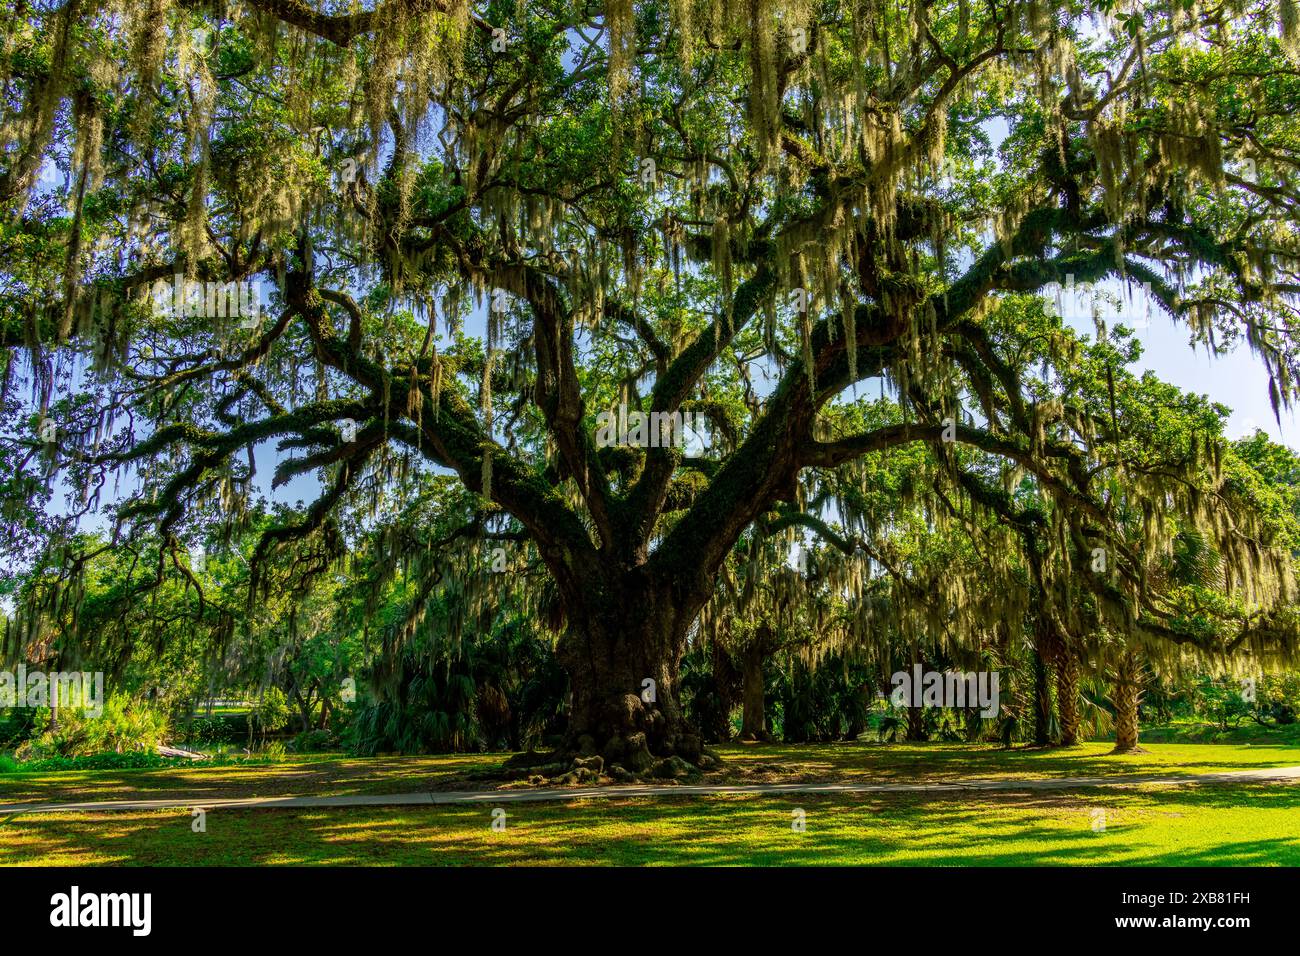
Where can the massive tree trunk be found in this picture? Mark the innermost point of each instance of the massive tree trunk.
(1067, 696)
(623, 657)
(753, 725)
(1125, 695)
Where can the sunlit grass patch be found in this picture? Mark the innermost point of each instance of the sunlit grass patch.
(1254, 824)
(334, 775)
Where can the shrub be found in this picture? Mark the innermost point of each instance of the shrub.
(125, 725)
(1222, 701)
(131, 760)
(272, 750)
(1278, 698)
(271, 713)
(313, 741)
(17, 724)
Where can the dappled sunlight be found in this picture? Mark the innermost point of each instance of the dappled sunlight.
(847, 762)
(1192, 825)
(932, 762)
(314, 775)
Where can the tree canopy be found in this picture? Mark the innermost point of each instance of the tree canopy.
(424, 249)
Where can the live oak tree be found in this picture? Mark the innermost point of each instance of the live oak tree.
(1208, 584)
(747, 210)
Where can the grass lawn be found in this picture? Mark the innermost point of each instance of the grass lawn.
(1255, 824)
(935, 761)
(315, 774)
(1193, 731)
(1235, 824)
(805, 763)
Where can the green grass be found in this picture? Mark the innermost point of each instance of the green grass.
(934, 762)
(323, 774)
(1193, 731)
(332, 774)
(1195, 825)
(1236, 824)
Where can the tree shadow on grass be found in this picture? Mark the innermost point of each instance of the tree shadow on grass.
(984, 829)
(344, 776)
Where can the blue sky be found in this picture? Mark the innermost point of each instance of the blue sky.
(1237, 379)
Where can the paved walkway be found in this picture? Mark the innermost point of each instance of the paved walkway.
(548, 795)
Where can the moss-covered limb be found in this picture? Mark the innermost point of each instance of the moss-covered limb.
(198, 370)
(848, 545)
(921, 142)
(302, 418)
(833, 453)
(981, 381)
(263, 394)
(994, 365)
(829, 454)
(217, 447)
(451, 436)
(1034, 461)
(341, 29)
(317, 514)
(306, 301)
(556, 389)
(349, 453)
(764, 468)
(353, 311)
(1197, 242)
(874, 328)
(453, 439)
(672, 389)
(448, 432)
(1008, 266)
(625, 315)
(1066, 493)
(802, 150)
(645, 499)
(558, 396)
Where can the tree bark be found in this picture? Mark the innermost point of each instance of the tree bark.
(753, 725)
(623, 658)
(728, 683)
(1042, 702)
(1067, 697)
(916, 724)
(1125, 695)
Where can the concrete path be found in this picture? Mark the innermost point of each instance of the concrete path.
(542, 795)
